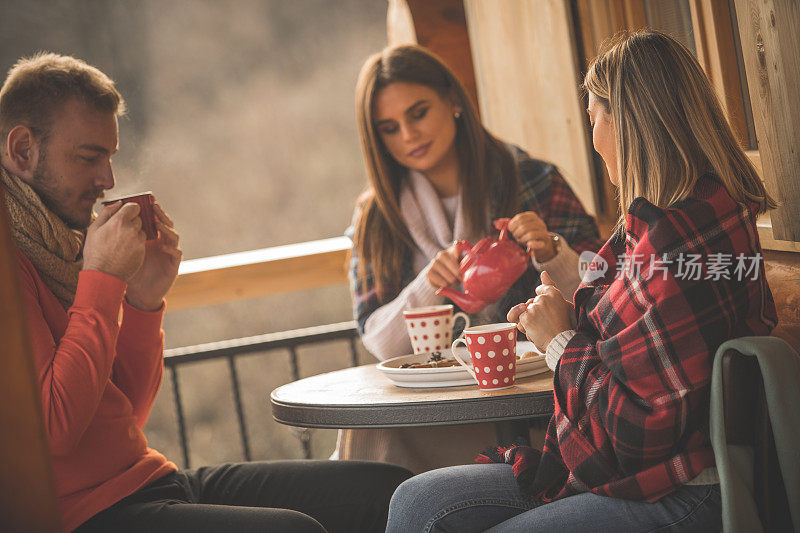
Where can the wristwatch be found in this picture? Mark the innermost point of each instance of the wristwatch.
(556, 243)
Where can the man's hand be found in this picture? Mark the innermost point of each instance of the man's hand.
(443, 270)
(530, 231)
(159, 269)
(115, 241)
(545, 316)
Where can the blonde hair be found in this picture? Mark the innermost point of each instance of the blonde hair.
(37, 86)
(670, 128)
(381, 238)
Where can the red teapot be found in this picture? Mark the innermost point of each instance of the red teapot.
(487, 269)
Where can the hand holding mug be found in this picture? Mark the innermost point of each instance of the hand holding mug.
(159, 268)
(115, 241)
(145, 201)
(545, 316)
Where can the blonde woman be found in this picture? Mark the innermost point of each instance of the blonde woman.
(437, 175)
(627, 448)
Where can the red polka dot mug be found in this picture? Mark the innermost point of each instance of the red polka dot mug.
(493, 350)
(431, 328)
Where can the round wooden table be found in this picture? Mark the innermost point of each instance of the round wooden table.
(362, 397)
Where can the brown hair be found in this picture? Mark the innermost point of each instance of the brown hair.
(37, 86)
(381, 238)
(670, 128)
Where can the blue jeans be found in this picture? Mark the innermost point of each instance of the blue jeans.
(485, 497)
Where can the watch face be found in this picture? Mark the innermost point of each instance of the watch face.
(556, 242)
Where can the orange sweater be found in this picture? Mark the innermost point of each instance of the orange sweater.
(98, 382)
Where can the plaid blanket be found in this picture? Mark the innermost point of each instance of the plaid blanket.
(541, 190)
(632, 388)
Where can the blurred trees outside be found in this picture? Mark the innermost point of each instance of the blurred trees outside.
(241, 121)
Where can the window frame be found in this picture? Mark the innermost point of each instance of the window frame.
(715, 36)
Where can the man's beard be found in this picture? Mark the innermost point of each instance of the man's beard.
(45, 187)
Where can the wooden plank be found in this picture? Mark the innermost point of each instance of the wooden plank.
(527, 76)
(783, 276)
(585, 29)
(441, 27)
(257, 273)
(716, 52)
(616, 9)
(700, 35)
(27, 487)
(599, 20)
(635, 18)
(768, 240)
(764, 222)
(755, 158)
(771, 51)
(596, 23)
(400, 24)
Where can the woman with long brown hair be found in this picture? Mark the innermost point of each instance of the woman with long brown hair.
(436, 175)
(627, 448)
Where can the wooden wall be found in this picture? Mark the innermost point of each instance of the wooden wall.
(771, 50)
(439, 26)
(526, 71)
(716, 52)
(783, 275)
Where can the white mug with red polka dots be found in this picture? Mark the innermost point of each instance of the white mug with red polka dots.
(493, 349)
(430, 328)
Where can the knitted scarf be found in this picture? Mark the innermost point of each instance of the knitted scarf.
(426, 220)
(53, 248)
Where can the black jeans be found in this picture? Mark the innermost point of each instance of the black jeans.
(313, 496)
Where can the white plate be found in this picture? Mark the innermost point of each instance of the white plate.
(452, 376)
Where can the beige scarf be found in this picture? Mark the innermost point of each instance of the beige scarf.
(53, 248)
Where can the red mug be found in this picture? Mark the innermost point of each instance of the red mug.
(146, 213)
(431, 327)
(493, 350)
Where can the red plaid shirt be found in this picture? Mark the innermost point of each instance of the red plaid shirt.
(632, 387)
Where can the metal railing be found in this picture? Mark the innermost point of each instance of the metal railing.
(231, 349)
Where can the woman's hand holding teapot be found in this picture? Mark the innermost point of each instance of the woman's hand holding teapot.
(545, 316)
(443, 269)
(529, 230)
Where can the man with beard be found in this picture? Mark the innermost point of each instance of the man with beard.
(98, 375)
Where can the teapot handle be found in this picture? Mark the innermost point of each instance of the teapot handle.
(502, 225)
(462, 247)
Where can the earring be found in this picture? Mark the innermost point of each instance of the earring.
(457, 115)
